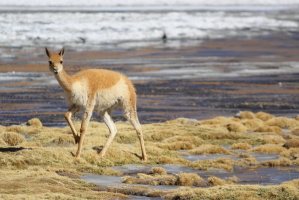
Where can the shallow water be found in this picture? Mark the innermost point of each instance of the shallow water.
(260, 176)
(184, 81)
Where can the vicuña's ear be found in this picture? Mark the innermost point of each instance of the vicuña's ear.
(48, 52)
(61, 52)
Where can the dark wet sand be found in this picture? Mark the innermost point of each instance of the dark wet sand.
(162, 94)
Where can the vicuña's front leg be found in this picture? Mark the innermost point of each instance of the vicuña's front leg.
(84, 125)
(68, 115)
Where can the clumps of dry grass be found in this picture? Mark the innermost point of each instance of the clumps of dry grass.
(294, 131)
(240, 192)
(292, 143)
(157, 171)
(189, 179)
(294, 183)
(44, 184)
(282, 122)
(2, 143)
(216, 120)
(158, 176)
(292, 153)
(215, 181)
(112, 172)
(209, 149)
(233, 179)
(247, 162)
(35, 122)
(159, 136)
(252, 124)
(246, 115)
(174, 145)
(278, 162)
(63, 139)
(264, 116)
(188, 121)
(149, 180)
(243, 146)
(12, 138)
(271, 138)
(266, 128)
(244, 155)
(236, 127)
(210, 164)
(268, 148)
(190, 139)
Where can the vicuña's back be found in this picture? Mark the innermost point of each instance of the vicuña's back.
(108, 88)
(96, 90)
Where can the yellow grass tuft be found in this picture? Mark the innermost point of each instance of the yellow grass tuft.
(240, 192)
(209, 149)
(217, 120)
(246, 115)
(282, 122)
(112, 172)
(188, 121)
(236, 127)
(149, 180)
(268, 148)
(233, 179)
(294, 183)
(159, 136)
(294, 131)
(191, 139)
(245, 162)
(252, 124)
(35, 122)
(264, 116)
(63, 139)
(175, 145)
(271, 138)
(2, 143)
(266, 128)
(243, 146)
(292, 143)
(12, 139)
(292, 153)
(279, 162)
(157, 171)
(215, 181)
(188, 179)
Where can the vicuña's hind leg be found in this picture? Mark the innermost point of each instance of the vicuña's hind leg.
(112, 128)
(68, 115)
(132, 117)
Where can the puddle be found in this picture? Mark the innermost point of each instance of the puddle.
(260, 176)
(206, 157)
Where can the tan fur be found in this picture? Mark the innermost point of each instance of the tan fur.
(96, 90)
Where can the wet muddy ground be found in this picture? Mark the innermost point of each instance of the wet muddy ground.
(198, 79)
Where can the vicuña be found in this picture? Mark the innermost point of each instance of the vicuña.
(96, 90)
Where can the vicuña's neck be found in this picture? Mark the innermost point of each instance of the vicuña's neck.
(64, 80)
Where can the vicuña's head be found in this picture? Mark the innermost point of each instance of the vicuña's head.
(55, 60)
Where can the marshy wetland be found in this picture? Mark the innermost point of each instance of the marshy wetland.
(257, 158)
(218, 103)
(199, 144)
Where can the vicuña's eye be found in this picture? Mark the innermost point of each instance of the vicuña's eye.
(50, 62)
(61, 62)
